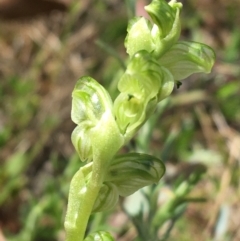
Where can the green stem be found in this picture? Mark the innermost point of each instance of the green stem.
(87, 203)
(106, 141)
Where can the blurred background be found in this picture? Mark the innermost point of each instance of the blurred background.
(45, 46)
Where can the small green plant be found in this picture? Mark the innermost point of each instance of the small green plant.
(157, 62)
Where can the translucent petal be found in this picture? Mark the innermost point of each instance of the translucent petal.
(89, 101)
(129, 112)
(186, 58)
(107, 198)
(82, 142)
(133, 171)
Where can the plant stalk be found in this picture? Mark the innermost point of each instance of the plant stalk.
(87, 203)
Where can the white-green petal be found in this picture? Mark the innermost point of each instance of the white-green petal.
(186, 58)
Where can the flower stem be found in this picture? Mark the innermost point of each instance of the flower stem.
(87, 202)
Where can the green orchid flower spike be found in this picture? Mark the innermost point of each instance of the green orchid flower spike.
(157, 60)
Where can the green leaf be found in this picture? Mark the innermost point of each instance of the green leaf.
(133, 171)
(186, 58)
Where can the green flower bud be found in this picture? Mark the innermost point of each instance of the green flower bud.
(167, 28)
(155, 38)
(99, 236)
(133, 171)
(186, 58)
(164, 15)
(139, 36)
